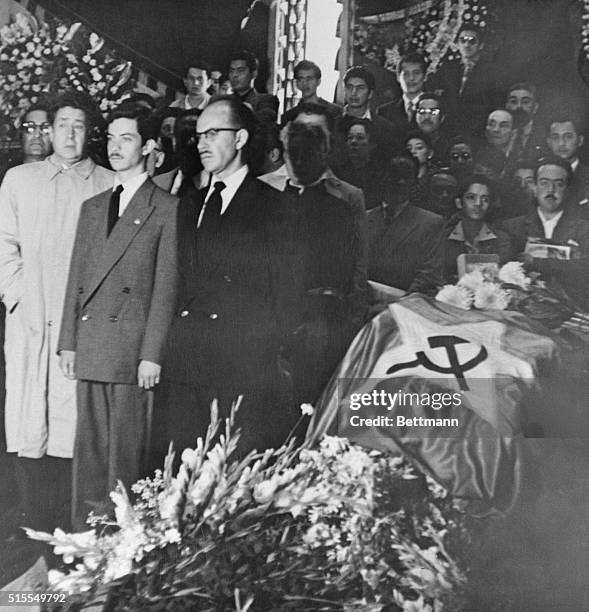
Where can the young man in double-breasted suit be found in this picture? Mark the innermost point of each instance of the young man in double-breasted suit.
(118, 306)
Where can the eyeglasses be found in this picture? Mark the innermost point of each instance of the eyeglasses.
(468, 39)
(212, 133)
(30, 127)
(428, 111)
(548, 183)
(464, 156)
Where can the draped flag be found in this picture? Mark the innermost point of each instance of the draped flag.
(447, 388)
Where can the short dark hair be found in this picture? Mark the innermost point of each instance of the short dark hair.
(481, 179)
(430, 95)
(139, 96)
(564, 117)
(81, 101)
(200, 64)
(146, 123)
(554, 160)
(403, 167)
(417, 134)
(361, 72)
(412, 58)
(524, 163)
(248, 57)
(311, 108)
(366, 124)
(526, 85)
(471, 27)
(307, 65)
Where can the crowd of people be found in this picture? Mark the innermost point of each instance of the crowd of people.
(214, 249)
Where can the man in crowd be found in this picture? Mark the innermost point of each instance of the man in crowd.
(403, 240)
(243, 69)
(529, 136)
(118, 306)
(430, 116)
(196, 82)
(553, 222)
(35, 134)
(460, 157)
(496, 155)
(186, 177)
(359, 86)
(39, 209)
(411, 76)
(442, 192)
(225, 337)
(468, 85)
(308, 78)
(564, 140)
(317, 115)
(324, 250)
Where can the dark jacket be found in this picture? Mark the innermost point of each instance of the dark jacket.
(404, 252)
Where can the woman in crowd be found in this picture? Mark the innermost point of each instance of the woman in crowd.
(470, 231)
(419, 145)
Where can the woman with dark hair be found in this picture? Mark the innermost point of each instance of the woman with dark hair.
(419, 146)
(470, 231)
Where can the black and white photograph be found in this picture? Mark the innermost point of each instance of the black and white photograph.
(294, 305)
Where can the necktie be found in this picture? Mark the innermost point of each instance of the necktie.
(211, 220)
(113, 209)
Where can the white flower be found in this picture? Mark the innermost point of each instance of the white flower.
(189, 457)
(513, 273)
(172, 536)
(491, 296)
(307, 409)
(472, 280)
(455, 295)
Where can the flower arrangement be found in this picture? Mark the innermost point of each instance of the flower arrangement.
(433, 32)
(333, 527)
(486, 288)
(37, 60)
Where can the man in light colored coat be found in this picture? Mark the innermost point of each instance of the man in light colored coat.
(119, 303)
(39, 208)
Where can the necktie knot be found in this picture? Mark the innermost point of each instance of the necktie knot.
(219, 186)
(118, 190)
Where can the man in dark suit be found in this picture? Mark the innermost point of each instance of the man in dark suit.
(411, 76)
(225, 337)
(530, 135)
(469, 86)
(243, 69)
(359, 89)
(565, 140)
(404, 241)
(118, 306)
(553, 222)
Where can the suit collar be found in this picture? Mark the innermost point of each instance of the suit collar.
(131, 221)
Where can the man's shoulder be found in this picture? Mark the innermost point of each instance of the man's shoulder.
(163, 197)
(27, 172)
(425, 218)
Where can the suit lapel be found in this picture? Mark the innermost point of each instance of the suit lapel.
(131, 221)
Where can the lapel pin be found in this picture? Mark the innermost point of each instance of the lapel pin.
(137, 221)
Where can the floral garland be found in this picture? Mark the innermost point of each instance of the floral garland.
(39, 60)
(433, 32)
(333, 527)
(585, 30)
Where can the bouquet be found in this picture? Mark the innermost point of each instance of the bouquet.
(332, 527)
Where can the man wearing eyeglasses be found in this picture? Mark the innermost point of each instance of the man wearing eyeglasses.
(35, 134)
(225, 337)
(553, 223)
(39, 208)
(430, 120)
(469, 85)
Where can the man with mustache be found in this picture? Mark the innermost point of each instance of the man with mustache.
(554, 223)
(430, 119)
(118, 306)
(529, 139)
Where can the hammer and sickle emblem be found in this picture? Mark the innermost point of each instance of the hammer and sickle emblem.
(455, 368)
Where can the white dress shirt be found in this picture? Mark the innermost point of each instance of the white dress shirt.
(130, 188)
(549, 224)
(232, 184)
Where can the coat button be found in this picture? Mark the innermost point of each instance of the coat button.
(184, 313)
(85, 317)
(113, 318)
(126, 290)
(227, 279)
(213, 316)
(137, 221)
